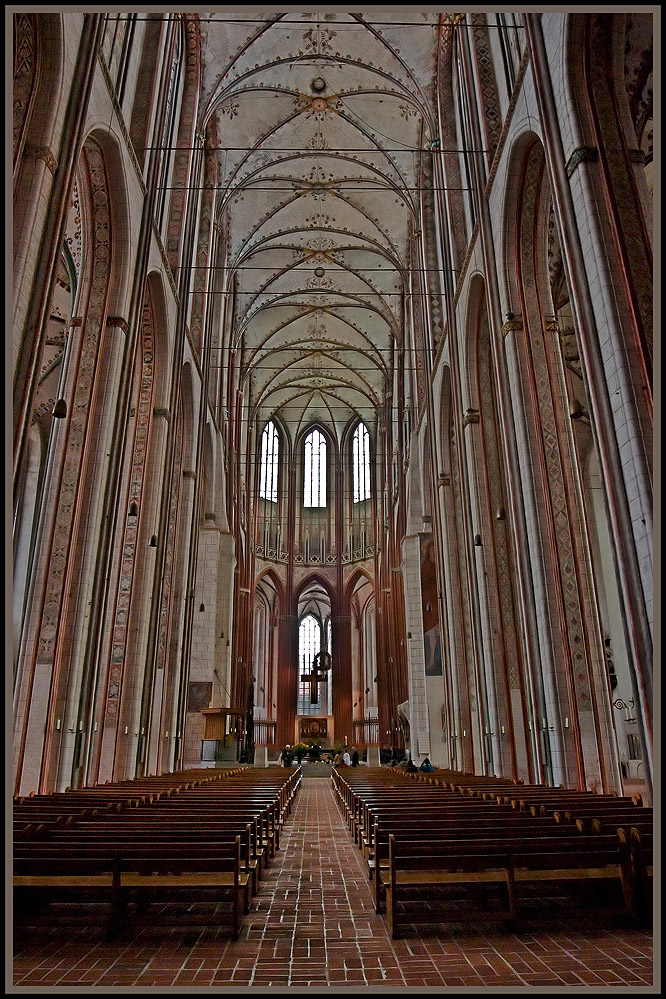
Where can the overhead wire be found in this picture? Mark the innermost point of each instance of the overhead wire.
(311, 270)
(323, 190)
(310, 152)
(352, 25)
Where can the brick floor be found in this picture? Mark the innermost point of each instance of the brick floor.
(313, 923)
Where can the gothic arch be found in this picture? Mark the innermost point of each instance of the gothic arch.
(613, 70)
(358, 573)
(119, 208)
(331, 439)
(572, 734)
(275, 580)
(514, 179)
(38, 69)
(314, 578)
(78, 482)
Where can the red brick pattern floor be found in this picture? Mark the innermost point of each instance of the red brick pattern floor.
(313, 924)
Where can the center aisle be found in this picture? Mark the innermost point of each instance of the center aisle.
(313, 918)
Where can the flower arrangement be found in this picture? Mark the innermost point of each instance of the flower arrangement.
(299, 751)
(313, 749)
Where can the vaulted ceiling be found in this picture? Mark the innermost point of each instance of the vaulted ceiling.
(322, 123)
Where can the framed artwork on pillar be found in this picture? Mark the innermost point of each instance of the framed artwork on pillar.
(199, 695)
(431, 629)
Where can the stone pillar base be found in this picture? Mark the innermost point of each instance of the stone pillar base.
(373, 756)
(260, 756)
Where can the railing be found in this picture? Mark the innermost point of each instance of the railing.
(307, 558)
(366, 732)
(264, 732)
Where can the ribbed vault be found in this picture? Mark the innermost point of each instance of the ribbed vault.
(320, 181)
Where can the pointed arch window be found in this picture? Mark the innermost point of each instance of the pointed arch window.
(314, 470)
(309, 646)
(269, 467)
(361, 463)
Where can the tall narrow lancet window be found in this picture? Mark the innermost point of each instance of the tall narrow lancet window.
(309, 646)
(270, 455)
(314, 470)
(361, 463)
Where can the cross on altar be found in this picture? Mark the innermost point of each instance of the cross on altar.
(315, 677)
(318, 675)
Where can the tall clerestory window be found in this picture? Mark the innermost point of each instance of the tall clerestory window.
(361, 463)
(268, 470)
(309, 646)
(314, 470)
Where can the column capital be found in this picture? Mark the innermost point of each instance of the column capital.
(513, 321)
(118, 322)
(42, 153)
(584, 154)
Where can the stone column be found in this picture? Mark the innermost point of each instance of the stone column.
(179, 609)
(202, 650)
(419, 727)
(143, 589)
(486, 665)
(86, 547)
(547, 701)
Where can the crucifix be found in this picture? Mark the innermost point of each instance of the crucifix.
(320, 665)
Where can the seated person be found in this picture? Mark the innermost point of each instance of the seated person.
(411, 769)
(426, 766)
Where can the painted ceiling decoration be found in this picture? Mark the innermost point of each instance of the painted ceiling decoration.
(333, 115)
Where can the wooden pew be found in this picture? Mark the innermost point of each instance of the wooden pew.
(98, 839)
(466, 871)
(116, 879)
(184, 828)
(445, 826)
(640, 844)
(368, 797)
